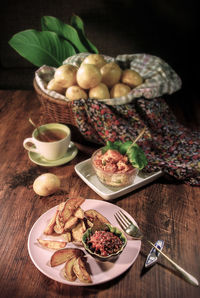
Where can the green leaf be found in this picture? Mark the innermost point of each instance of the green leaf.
(63, 30)
(77, 23)
(111, 146)
(124, 147)
(42, 47)
(136, 156)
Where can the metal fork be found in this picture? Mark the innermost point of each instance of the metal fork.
(132, 230)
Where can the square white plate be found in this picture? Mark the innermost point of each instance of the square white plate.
(86, 172)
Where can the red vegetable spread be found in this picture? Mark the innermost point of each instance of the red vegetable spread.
(112, 161)
(104, 243)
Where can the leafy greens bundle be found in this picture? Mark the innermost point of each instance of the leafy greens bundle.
(134, 153)
(56, 42)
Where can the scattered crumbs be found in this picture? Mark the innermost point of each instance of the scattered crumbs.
(25, 178)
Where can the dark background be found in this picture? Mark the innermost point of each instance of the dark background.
(165, 28)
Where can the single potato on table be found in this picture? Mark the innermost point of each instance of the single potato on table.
(75, 92)
(99, 92)
(65, 75)
(119, 90)
(111, 74)
(95, 59)
(88, 76)
(46, 184)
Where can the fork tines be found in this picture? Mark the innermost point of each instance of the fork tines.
(122, 219)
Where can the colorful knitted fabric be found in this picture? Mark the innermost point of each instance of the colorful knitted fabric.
(168, 145)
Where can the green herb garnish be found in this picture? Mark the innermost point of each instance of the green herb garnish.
(56, 42)
(134, 153)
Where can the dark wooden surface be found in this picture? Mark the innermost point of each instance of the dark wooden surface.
(163, 209)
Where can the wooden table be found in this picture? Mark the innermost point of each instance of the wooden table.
(163, 209)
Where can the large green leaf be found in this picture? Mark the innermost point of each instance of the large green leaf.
(136, 156)
(77, 23)
(63, 30)
(42, 47)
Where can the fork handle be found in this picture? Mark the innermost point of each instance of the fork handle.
(191, 279)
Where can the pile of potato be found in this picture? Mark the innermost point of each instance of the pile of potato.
(95, 78)
(70, 222)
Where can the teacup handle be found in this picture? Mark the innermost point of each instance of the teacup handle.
(30, 148)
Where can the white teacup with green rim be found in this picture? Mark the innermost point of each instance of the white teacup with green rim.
(49, 140)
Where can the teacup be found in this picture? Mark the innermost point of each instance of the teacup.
(49, 140)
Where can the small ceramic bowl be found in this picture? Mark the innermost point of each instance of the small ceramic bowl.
(113, 179)
(111, 257)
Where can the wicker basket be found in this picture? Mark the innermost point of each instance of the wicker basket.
(55, 110)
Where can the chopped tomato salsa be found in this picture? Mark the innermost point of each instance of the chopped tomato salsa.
(113, 161)
(104, 243)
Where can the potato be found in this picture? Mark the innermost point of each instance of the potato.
(81, 271)
(46, 184)
(88, 76)
(95, 59)
(59, 226)
(78, 231)
(99, 92)
(58, 229)
(111, 73)
(75, 92)
(89, 223)
(54, 86)
(131, 78)
(119, 89)
(91, 214)
(70, 207)
(79, 213)
(52, 244)
(50, 228)
(59, 221)
(70, 223)
(61, 206)
(62, 255)
(69, 271)
(65, 75)
(67, 236)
